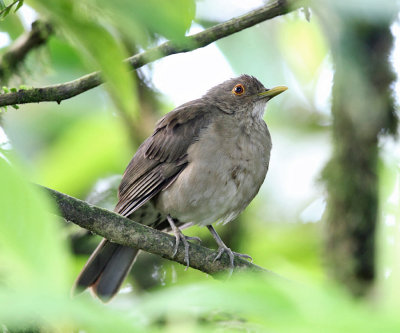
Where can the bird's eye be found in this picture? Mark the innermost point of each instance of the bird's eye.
(238, 89)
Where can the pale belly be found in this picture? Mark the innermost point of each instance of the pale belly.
(217, 184)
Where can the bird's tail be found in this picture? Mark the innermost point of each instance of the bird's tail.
(106, 269)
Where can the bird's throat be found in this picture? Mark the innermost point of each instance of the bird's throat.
(258, 110)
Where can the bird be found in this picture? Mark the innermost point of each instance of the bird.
(204, 163)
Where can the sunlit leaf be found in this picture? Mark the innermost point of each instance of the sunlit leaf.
(35, 266)
(12, 25)
(170, 19)
(265, 59)
(270, 304)
(304, 48)
(20, 3)
(93, 147)
(32, 252)
(100, 49)
(5, 11)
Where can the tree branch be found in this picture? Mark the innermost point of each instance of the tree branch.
(16, 54)
(127, 232)
(60, 92)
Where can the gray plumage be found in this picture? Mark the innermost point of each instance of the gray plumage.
(204, 163)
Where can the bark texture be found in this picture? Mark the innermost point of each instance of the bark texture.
(362, 109)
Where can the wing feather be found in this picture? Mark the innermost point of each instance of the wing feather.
(161, 158)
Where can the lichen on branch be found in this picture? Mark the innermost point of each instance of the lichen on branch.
(121, 230)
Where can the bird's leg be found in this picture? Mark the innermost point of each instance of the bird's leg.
(223, 248)
(179, 236)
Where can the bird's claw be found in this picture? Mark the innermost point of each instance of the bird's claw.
(193, 238)
(179, 236)
(244, 256)
(231, 255)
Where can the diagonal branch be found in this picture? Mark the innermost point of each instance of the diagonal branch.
(127, 232)
(18, 51)
(60, 92)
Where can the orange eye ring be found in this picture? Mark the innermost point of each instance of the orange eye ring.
(238, 89)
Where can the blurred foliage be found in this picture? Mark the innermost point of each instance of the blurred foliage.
(5, 10)
(34, 288)
(35, 264)
(82, 146)
(362, 114)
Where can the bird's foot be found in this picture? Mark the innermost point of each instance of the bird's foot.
(179, 236)
(223, 248)
(193, 238)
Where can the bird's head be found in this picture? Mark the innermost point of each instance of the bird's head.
(242, 94)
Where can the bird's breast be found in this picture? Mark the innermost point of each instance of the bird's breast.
(226, 168)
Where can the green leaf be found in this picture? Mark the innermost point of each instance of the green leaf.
(32, 251)
(6, 11)
(263, 303)
(35, 266)
(20, 3)
(310, 47)
(107, 53)
(13, 26)
(13, 90)
(170, 19)
(5, 89)
(92, 141)
(2, 5)
(97, 45)
(15, 106)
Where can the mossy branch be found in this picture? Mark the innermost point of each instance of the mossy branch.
(17, 52)
(124, 231)
(60, 92)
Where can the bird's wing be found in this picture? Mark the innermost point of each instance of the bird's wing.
(161, 158)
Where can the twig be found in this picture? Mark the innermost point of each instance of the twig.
(60, 92)
(127, 232)
(16, 54)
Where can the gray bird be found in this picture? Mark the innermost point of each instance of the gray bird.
(204, 163)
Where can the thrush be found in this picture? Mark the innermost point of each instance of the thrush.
(204, 163)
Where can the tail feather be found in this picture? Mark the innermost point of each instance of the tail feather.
(117, 268)
(106, 269)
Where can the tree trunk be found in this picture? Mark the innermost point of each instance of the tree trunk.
(362, 109)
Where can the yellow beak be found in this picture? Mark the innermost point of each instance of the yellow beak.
(273, 92)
